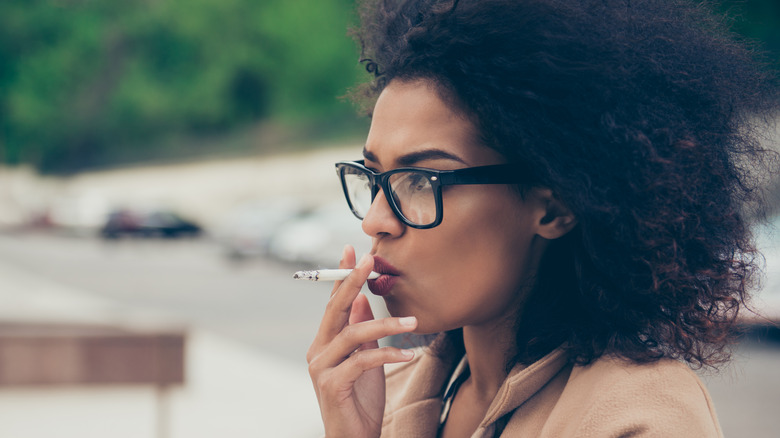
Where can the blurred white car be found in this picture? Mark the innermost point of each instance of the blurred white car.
(247, 230)
(79, 213)
(767, 301)
(319, 237)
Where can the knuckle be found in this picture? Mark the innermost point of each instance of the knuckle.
(360, 359)
(330, 305)
(314, 368)
(326, 384)
(311, 353)
(349, 332)
(369, 359)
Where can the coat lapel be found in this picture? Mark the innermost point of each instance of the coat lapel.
(415, 392)
(415, 412)
(522, 384)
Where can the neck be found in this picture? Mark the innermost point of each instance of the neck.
(490, 345)
(488, 349)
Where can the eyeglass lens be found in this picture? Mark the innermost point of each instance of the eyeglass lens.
(411, 191)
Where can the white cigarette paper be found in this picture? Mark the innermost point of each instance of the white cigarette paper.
(328, 275)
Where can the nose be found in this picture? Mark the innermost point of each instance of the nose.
(380, 221)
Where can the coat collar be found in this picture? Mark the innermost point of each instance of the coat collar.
(522, 383)
(415, 401)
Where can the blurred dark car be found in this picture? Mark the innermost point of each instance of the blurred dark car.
(126, 223)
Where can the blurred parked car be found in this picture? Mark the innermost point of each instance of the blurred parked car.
(153, 224)
(318, 238)
(767, 301)
(247, 230)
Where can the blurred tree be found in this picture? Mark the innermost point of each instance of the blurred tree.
(758, 20)
(83, 80)
(86, 83)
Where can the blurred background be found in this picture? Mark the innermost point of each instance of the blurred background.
(165, 166)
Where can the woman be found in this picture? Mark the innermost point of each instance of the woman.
(591, 244)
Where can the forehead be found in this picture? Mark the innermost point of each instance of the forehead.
(410, 117)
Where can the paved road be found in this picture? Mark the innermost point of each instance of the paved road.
(258, 304)
(747, 392)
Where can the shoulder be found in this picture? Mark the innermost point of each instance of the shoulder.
(663, 398)
(620, 374)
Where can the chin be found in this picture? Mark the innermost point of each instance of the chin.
(394, 308)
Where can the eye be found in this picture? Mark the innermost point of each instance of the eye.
(417, 181)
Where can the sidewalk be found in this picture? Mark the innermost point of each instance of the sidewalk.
(229, 391)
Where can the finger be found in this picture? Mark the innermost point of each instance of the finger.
(361, 310)
(347, 262)
(325, 332)
(339, 306)
(362, 336)
(345, 375)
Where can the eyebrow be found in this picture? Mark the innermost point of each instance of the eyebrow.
(413, 158)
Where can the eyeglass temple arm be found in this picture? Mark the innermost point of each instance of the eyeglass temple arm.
(497, 174)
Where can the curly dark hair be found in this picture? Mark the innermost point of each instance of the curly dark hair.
(643, 117)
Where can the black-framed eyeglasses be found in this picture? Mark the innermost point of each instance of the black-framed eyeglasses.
(414, 194)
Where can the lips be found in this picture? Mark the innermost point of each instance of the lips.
(389, 275)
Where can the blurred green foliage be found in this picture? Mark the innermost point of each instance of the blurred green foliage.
(758, 20)
(88, 83)
(83, 80)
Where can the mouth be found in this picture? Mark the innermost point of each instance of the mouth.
(388, 276)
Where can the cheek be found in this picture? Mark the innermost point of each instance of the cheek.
(476, 260)
(492, 224)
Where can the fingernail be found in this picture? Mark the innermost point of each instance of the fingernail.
(407, 354)
(408, 321)
(364, 259)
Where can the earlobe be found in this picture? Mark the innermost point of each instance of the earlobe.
(557, 219)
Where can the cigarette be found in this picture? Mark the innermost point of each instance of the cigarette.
(329, 275)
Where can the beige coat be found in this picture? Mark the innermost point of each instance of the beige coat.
(610, 398)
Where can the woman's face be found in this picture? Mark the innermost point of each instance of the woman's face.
(468, 270)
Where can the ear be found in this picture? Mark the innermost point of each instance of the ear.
(555, 219)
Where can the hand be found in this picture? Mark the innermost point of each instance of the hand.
(345, 361)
